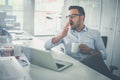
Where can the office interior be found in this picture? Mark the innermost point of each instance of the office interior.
(33, 21)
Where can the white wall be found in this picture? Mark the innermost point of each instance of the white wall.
(103, 15)
(100, 14)
(28, 18)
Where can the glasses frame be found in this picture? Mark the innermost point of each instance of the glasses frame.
(73, 16)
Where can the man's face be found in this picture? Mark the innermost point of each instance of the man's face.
(74, 18)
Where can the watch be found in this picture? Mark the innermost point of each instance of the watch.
(92, 51)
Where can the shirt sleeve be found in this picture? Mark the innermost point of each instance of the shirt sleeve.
(48, 45)
(99, 45)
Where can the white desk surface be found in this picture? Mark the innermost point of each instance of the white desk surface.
(78, 71)
(18, 73)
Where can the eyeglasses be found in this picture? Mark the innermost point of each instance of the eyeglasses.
(72, 15)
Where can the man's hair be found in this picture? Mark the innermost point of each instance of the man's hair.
(79, 8)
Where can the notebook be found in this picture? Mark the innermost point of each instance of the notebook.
(45, 59)
(10, 69)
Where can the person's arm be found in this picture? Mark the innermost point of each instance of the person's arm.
(86, 50)
(99, 47)
(62, 34)
(57, 39)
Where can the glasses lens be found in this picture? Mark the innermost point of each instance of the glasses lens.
(72, 15)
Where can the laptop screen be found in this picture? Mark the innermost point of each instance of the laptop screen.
(45, 59)
(59, 65)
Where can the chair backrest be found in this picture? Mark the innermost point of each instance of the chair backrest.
(105, 38)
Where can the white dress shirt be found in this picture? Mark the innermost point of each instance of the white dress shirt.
(87, 36)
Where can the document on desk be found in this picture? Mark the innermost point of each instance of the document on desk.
(44, 59)
(10, 69)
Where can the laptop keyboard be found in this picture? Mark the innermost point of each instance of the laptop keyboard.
(59, 65)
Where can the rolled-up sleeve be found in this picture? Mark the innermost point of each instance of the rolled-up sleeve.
(48, 45)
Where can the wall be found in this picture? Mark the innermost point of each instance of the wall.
(116, 48)
(103, 15)
(28, 22)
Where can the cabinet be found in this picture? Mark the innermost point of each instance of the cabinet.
(116, 48)
(108, 26)
(104, 16)
(116, 53)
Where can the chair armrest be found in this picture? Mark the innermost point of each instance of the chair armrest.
(112, 68)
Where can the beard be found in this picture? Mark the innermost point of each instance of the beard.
(75, 26)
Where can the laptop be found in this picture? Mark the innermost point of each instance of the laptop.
(45, 59)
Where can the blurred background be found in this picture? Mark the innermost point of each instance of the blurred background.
(45, 18)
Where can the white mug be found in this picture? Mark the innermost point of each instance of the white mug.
(75, 47)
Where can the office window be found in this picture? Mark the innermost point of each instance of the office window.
(2, 2)
(13, 10)
(17, 10)
(47, 16)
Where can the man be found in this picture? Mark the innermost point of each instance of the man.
(91, 48)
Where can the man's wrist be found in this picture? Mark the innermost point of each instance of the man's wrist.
(60, 36)
(92, 51)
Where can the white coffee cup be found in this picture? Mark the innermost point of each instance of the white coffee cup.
(75, 47)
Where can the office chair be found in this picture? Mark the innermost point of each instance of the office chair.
(112, 67)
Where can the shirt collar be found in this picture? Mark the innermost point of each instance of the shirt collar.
(85, 29)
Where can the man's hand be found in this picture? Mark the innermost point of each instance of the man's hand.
(84, 48)
(65, 30)
(62, 34)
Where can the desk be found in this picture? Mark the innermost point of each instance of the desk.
(10, 69)
(78, 71)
